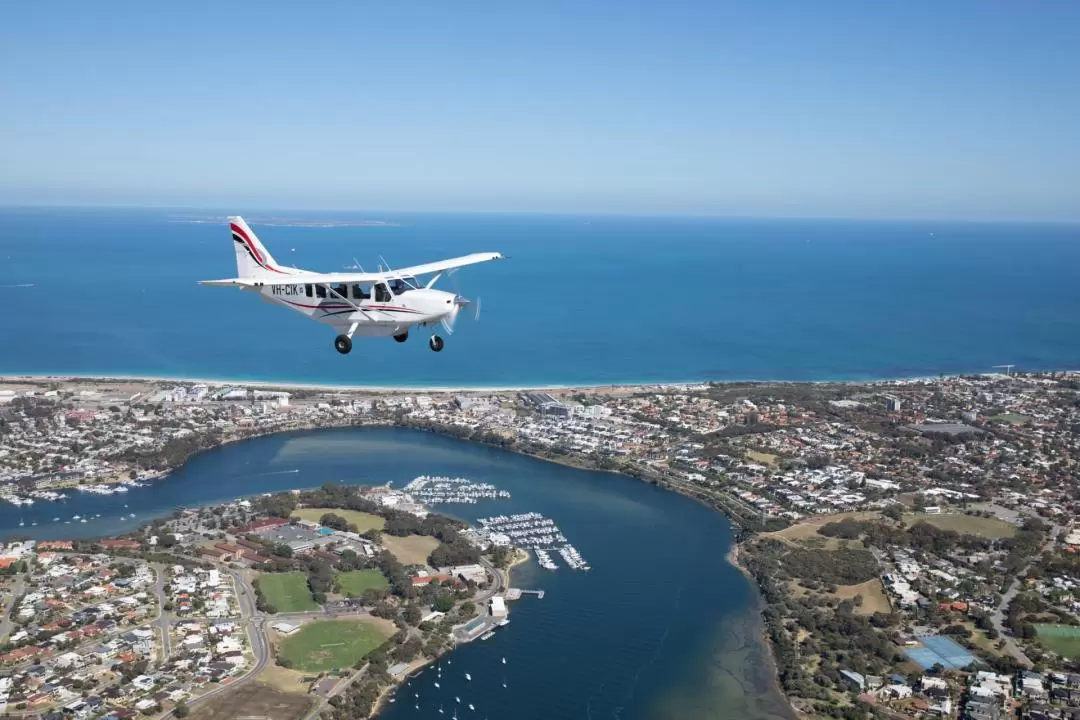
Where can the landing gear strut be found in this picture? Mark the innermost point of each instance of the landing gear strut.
(436, 343)
(402, 337)
(343, 344)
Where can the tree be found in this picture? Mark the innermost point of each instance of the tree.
(893, 513)
(181, 710)
(282, 550)
(445, 603)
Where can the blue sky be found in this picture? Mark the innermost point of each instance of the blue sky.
(914, 108)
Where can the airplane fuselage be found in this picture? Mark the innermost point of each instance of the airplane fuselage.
(372, 310)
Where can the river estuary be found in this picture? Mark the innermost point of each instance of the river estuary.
(661, 627)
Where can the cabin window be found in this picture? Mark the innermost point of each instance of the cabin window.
(359, 292)
(320, 291)
(307, 290)
(381, 293)
(341, 290)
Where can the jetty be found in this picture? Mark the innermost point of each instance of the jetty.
(516, 593)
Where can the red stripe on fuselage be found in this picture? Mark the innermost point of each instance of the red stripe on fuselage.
(340, 306)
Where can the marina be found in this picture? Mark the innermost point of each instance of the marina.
(430, 489)
(532, 531)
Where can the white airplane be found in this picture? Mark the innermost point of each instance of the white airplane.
(381, 304)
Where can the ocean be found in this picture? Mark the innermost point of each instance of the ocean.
(582, 300)
(661, 627)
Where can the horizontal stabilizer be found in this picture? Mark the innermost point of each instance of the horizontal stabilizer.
(231, 282)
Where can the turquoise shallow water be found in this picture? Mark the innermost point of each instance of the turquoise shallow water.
(661, 627)
(583, 300)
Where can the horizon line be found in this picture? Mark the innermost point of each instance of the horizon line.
(549, 213)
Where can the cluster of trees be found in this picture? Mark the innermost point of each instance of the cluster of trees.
(844, 566)
(320, 578)
(1023, 545)
(833, 631)
(260, 600)
(332, 520)
(920, 537)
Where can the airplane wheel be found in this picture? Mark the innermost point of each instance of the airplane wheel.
(343, 344)
(436, 343)
(402, 337)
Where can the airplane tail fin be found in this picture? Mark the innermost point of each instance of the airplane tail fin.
(252, 259)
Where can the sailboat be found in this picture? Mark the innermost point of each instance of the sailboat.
(21, 523)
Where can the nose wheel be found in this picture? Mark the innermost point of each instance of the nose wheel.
(436, 343)
(343, 344)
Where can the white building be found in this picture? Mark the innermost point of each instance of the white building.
(498, 607)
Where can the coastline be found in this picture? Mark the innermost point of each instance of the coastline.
(539, 387)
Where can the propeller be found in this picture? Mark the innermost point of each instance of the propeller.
(460, 301)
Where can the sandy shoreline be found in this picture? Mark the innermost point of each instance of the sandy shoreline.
(539, 387)
(289, 385)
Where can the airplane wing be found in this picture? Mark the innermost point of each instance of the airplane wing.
(295, 278)
(443, 265)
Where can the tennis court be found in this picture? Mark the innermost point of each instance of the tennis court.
(940, 650)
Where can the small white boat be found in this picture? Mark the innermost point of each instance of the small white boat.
(468, 676)
(436, 684)
(457, 699)
(471, 706)
(504, 661)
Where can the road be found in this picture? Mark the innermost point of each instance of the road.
(999, 615)
(17, 589)
(164, 618)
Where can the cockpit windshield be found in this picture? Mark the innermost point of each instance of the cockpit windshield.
(403, 284)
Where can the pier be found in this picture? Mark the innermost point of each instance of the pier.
(516, 593)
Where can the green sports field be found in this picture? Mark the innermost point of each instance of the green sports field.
(332, 644)
(1062, 639)
(355, 582)
(287, 592)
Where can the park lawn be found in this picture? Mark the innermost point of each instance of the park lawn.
(1062, 639)
(355, 582)
(363, 521)
(761, 457)
(411, 549)
(287, 592)
(1011, 418)
(991, 528)
(332, 644)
